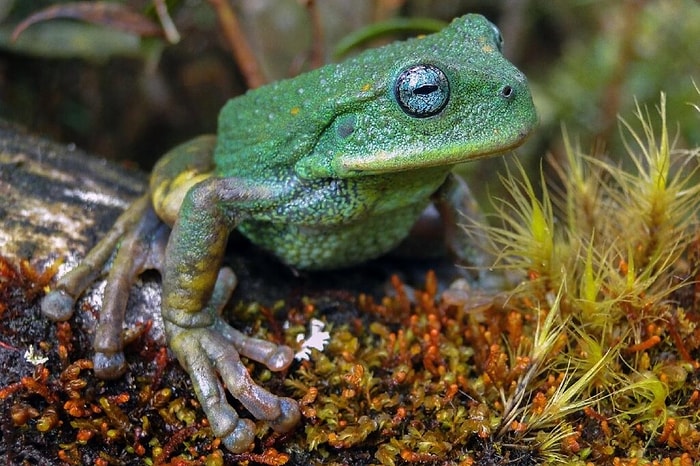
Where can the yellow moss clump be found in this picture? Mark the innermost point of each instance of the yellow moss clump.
(610, 284)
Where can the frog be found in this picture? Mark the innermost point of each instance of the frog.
(325, 170)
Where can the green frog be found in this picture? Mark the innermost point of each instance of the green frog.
(325, 170)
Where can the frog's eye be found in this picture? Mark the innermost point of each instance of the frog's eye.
(497, 37)
(422, 90)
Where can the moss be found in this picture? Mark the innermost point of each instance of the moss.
(590, 357)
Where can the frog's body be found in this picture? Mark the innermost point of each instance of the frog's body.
(364, 224)
(324, 170)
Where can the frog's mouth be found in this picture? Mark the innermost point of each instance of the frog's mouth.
(379, 162)
(452, 142)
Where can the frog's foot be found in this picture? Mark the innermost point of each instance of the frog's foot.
(139, 238)
(275, 357)
(206, 352)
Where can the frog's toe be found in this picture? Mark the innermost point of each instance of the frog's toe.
(280, 359)
(242, 436)
(57, 305)
(109, 366)
(236, 433)
(289, 416)
(276, 357)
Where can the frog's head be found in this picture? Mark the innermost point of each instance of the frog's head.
(436, 101)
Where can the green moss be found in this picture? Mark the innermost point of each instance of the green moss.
(586, 359)
(590, 357)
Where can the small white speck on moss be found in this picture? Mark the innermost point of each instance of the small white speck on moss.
(33, 357)
(317, 339)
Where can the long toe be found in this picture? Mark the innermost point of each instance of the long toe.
(242, 436)
(289, 416)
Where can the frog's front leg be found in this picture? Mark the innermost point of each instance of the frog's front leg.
(204, 344)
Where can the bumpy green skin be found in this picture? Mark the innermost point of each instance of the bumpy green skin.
(323, 170)
(338, 188)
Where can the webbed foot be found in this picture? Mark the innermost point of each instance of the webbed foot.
(209, 352)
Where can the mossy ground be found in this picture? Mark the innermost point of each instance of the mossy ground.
(591, 357)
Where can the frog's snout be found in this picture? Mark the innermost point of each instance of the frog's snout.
(513, 87)
(516, 95)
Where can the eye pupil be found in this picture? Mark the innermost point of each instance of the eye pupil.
(425, 90)
(422, 90)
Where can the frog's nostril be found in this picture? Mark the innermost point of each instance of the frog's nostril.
(507, 92)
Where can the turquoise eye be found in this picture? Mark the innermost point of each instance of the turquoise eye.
(422, 90)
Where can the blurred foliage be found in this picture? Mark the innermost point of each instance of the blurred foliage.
(628, 51)
(124, 96)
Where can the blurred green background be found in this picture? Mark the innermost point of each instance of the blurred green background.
(130, 98)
